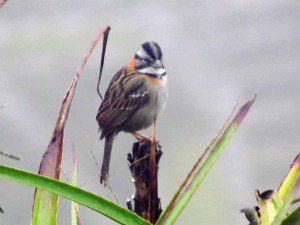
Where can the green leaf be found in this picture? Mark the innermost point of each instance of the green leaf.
(202, 167)
(290, 181)
(269, 203)
(74, 205)
(288, 191)
(293, 218)
(45, 203)
(273, 205)
(83, 197)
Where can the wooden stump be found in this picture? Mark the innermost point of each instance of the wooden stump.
(146, 202)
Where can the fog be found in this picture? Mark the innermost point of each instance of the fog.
(216, 53)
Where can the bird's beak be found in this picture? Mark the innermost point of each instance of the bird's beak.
(160, 68)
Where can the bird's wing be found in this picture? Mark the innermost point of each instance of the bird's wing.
(126, 93)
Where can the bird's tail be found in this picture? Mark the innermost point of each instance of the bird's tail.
(106, 158)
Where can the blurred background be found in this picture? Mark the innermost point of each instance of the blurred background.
(216, 53)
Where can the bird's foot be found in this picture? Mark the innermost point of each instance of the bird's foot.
(142, 138)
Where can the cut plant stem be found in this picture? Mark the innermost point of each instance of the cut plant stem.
(145, 199)
(153, 189)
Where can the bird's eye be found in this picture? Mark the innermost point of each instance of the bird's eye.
(145, 61)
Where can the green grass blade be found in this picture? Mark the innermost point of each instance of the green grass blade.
(293, 218)
(290, 180)
(74, 205)
(45, 204)
(269, 203)
(83, 197)
(288, 191)
(75, 214)
(202, 167)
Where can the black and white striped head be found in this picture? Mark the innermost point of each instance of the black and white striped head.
(148, 60)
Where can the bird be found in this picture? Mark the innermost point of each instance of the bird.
(135, 96)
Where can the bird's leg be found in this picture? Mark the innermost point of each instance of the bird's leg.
(140, 137)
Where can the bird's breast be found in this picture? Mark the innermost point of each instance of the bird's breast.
(157, 91)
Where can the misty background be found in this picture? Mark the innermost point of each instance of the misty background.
(216, 53)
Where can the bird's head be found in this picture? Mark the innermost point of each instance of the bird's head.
(148, 60)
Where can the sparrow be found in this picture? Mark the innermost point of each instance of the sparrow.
(134, 98)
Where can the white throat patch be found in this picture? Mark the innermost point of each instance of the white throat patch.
(152, 70)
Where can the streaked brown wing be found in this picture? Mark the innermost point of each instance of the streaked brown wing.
(124, 96)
